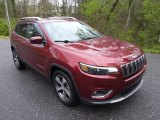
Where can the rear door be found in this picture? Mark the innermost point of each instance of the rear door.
(21, 40)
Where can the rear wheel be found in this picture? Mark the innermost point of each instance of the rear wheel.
(18, 63)
(64, 88)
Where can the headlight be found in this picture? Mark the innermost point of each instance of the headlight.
(94, 70)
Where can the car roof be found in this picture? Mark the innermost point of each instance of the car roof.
(49, 19)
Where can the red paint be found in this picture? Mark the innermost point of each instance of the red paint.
(103, 51)
(36, 40)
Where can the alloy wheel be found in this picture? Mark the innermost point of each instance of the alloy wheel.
(15, 59)
(62, 88)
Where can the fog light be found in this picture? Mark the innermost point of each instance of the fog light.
(101, 94)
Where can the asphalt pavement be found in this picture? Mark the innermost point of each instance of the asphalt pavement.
(26, 95)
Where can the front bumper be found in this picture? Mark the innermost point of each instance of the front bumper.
(87, 84)
(122, 96)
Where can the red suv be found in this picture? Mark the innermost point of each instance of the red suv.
(81, 63)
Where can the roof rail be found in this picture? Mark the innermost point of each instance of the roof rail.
(31, 18)
(61, 18)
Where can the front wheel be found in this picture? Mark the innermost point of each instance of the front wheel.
(18, 63)
(64, 89)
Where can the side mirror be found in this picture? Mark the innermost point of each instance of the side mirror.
(36, 40)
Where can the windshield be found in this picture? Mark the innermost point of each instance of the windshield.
(70, 31)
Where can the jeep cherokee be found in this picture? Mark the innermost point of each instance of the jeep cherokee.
(81, 63)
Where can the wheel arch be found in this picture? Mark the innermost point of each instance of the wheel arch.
(12, 48)
(54, 67)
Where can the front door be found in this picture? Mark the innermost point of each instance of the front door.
(38, 54)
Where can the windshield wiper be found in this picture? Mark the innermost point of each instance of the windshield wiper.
(64, 41)
(91, 37)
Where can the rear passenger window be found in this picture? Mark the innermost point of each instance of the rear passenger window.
(23, 29)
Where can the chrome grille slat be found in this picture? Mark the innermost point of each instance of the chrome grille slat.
(124, 69)
(134, 66)
(129, 68)
(140, 63)
(137, 65)
(142, 60)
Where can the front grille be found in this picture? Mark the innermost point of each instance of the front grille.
(134, 66)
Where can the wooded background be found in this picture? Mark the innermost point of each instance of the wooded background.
(136, 21)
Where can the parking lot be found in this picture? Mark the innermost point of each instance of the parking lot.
(26, 95)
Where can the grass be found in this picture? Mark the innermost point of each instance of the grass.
(4, 26)
(155, 49)
(4, 37)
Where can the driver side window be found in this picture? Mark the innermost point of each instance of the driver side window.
(33, 31)
(22, 30)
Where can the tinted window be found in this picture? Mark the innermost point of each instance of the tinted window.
(23, 30)
(16, 29)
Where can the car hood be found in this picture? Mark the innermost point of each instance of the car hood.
(105, 49)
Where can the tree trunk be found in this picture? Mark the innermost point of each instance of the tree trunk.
(7, 17)
(64, 8)
(34, 7)
(129, 13)
(112, 9)
(24, 8)
(14, 8)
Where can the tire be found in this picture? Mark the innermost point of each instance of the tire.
(18, 63)
(64, 89)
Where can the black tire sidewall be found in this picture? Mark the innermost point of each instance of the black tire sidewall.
(21, 65)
